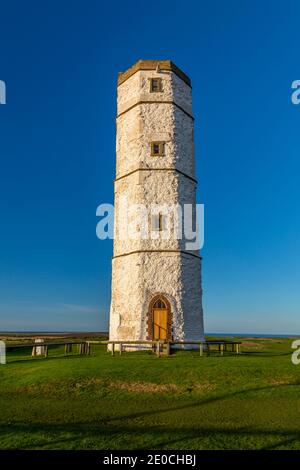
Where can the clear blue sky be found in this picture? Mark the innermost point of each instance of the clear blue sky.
(60, 61)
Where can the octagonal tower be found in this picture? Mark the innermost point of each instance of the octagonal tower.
(156, 278)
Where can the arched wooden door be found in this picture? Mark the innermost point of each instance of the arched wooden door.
(160, 320)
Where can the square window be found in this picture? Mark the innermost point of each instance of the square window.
(155, 85)
(157, 222)
(157, 149)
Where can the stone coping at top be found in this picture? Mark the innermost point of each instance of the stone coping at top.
(153, 65)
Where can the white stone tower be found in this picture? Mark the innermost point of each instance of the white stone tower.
(156, 282)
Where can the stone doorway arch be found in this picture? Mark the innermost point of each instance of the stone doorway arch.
(159, 319)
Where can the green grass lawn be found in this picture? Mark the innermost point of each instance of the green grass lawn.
(139, 401)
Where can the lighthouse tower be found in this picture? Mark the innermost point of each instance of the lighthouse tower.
(156, 276)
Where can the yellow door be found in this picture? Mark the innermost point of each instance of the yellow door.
(160, 323)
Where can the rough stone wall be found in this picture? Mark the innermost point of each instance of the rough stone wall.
(149, 122)
(192, 298)
(137, 278)
(144, 117)
(137, 88)
(153, 273)
(136, 130)
(151, 187)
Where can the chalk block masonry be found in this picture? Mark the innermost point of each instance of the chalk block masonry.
(156, 284)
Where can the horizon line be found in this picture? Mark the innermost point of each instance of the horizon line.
(106, 333)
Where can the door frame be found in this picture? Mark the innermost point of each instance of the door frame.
(151, 317)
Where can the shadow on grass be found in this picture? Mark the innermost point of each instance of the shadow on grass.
(283, 443)
(206, 401)
(265, 354)
(121, 432)
(177, 355)
(132, 436)
(49, 358)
